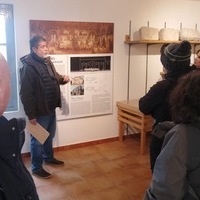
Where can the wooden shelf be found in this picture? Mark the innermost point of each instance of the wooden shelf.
(148, 43)
(157, 42)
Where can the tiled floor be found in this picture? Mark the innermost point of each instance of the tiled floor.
(109, 171)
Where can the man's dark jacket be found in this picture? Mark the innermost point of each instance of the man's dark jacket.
(32, 90)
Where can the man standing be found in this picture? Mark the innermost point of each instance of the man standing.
(40, 95)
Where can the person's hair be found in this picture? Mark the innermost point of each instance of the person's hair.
(184, 99)
(35, 40)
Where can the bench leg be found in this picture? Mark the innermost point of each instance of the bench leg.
(143, 142)
(121, 131)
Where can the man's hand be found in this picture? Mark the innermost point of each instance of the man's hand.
(66, 79)
(33, 121)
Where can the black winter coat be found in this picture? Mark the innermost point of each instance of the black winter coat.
(16, 182)
(155, 102)
(32, 91)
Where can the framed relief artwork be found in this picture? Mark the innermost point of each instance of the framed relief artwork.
(75, 37)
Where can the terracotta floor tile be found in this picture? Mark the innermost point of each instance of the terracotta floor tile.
(53, 192)
(141, 172)
(112, 155)
(73, 153)
(78, 188)
(118, 175)
(88, 196)
(113, 193)
(132, 187)
(88, 169)
(98, 183)
(106, 166)
(109, 171)
(88, 150)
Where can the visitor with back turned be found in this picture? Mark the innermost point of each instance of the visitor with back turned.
(175, 59)
(177, 168)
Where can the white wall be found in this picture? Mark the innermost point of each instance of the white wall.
(120, 13)
(156, 12)
(85, 129)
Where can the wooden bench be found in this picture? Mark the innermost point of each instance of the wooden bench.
(129, 113)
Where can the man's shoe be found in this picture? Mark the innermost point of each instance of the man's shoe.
(54, 162)
(42, 174)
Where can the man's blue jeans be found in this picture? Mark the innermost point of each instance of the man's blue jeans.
(39, 152)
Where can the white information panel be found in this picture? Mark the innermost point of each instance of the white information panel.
(90, 89)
